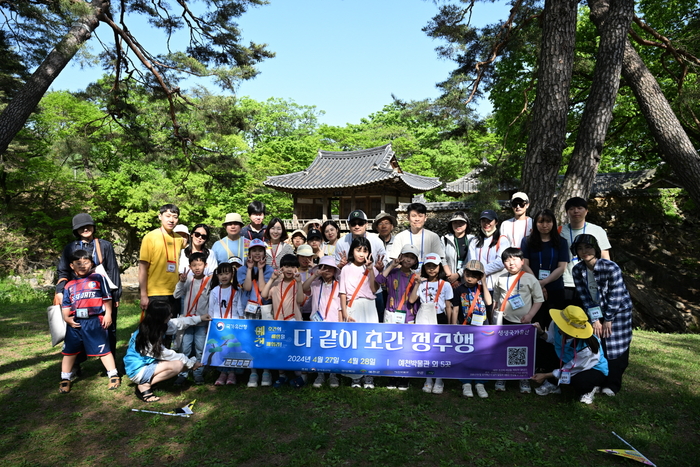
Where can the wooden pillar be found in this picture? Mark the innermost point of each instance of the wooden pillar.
(352, 203)
(326, 208)
(383, 203)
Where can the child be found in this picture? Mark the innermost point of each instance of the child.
(435, 295)
(147, 360)
(325, 303)
(305, 255)
(581, 361)
(399, 281)
(195, 289)
(256, 228)
(87, 311)
(287, 294)
(223, 304)
(517, 298)
(357, 281)
(314, 239)
(470, 300)
(298, 239)
(254, 274)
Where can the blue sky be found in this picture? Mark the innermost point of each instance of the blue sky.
(346, 57)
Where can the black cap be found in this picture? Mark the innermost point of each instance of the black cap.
(488, 214)
(314, 233)
(81, 220)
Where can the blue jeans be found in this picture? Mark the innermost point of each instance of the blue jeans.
(194, 335)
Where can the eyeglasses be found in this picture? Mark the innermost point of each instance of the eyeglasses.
(356, 223)
(82, 263)
(199, 235)
(518, 203)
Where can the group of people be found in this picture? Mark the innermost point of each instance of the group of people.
(523, 270)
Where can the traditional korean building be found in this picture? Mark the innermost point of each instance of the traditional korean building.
(340, 182)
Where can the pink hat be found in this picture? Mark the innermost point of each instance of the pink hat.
(328, 261)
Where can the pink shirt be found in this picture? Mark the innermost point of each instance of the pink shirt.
(321, 299)
(350, 277)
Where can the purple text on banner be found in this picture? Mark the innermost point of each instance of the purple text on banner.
(408, 350)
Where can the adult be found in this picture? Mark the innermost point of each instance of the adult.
(312, 224)
(200, 234)
(184, 232)
(232, 245)
(275, 238)
(426, 240)
(158, 258)
(487, 246)
(103, 256)
(608, 304)
(546, 255)
(256, 228)
(520, 225)
(298, 239)
(331, 234)
(384, 224)
(577, 210)
(456, 243)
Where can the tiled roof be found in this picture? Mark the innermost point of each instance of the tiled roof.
(333, 169)
(604, 183)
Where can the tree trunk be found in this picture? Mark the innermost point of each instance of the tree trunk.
(676, 147)
(613, 19)
(25, 101)
(548, 128)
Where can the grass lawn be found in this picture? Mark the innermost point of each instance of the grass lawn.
(658, 412)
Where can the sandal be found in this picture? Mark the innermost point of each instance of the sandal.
(114, 383)
(64, 386)
(147, 396)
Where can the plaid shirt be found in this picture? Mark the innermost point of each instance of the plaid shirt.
(615, 302)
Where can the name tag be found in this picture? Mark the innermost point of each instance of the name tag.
(516, 301)
(252, 307)
(478, 320)
(459, 264)
(595, 313)
(399, 317)
(81, 313)
(171, 266)
(316, 317)
(543, 274)
(565, 377)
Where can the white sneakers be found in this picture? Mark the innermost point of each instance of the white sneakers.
(439, 386)
(320, 379)
(589, 396)
(266, 379)
(253, 380)
(480, 391)
(428, 385)
(608, 392)
(500, 385)
(369, 382)
(333, 381)
(525, 386)
(467, 390)
(547, 388)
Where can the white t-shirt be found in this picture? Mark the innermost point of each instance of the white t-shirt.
(426, 241)
(515, 231)
(428, 290)
(570, 236)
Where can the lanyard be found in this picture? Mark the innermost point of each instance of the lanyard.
(551, 259)
(475, 299)
(462, 254)
(510, 289)
(165, 244)
(191, 305)
(292, 285)
(422, 243)
(524, 230)
(274, 254)
(258, 298)
(230, 301)
(406, 292)
(359, 286)
(571, 236)
(330, 298)
(437, 293)
(561, 357)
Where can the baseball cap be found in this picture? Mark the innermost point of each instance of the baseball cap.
(181, 228)
(488, 214)
(410, 249)
(432, 258)
(314, 233)
(357, 215)
(520, 195)
(257, 242)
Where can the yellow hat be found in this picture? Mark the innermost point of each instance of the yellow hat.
(573, 321)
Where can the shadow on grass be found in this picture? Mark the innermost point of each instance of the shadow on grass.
(658, 412)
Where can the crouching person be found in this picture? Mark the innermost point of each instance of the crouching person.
(147, 360)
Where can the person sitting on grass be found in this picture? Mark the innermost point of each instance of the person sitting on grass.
(87, 311)
(147, 360)
(579, 355)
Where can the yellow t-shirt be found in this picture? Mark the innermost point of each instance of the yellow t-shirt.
(158, 248)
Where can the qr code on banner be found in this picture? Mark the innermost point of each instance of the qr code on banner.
(517, 356)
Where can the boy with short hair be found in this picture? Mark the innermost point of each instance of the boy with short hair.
(253, 276)
(517, 296)
(195, 288)
(305, 255)
(87, 309)
(160, 251)
(256, 228)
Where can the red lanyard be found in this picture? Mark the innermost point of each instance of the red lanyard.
(257, 292)
(359, 286)
(274, 254)
(190, 304)
(510, 290)
(437, 294)
(280, 308)
(230, 301)
(473, 304)
(330, 297)
(406, 292)
(524, 231)
(165, 244)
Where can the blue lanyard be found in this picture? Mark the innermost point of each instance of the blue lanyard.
(508, 284)
(551, 258)
(571, 236)
(422, 237)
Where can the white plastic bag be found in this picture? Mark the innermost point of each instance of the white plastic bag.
(57, 326)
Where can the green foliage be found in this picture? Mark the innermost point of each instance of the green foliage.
(13, 293)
